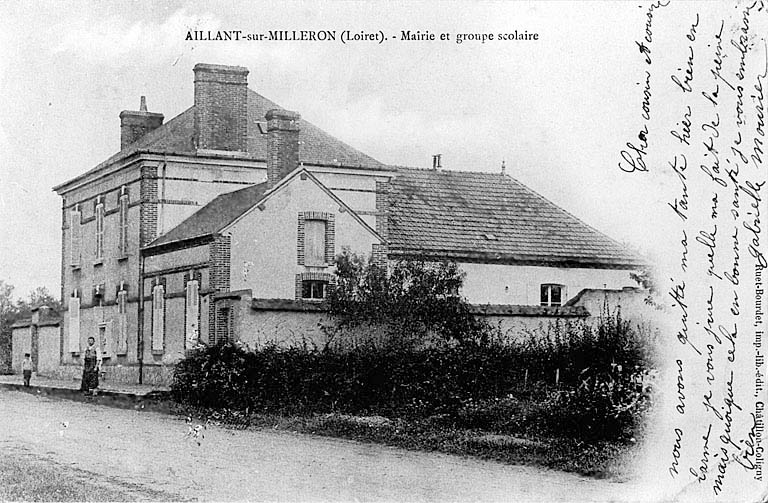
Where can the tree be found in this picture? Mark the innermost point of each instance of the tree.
(413, 300)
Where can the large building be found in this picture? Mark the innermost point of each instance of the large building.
(224, 222)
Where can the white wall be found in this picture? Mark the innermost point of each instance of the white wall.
(514, 284)
(264, 243)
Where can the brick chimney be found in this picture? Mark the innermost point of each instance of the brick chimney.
(135, 124)
(221, 107)
(282, 144)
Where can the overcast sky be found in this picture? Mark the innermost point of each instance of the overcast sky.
(557, 110)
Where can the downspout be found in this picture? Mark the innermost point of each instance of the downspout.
(140, 341)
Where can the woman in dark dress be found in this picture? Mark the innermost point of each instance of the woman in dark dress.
(91, 364)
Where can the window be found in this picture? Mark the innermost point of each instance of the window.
(552, 295)
(192, 313)
(74, 236)
(122, 320)
(123, 224)
(104, 341)
(74, 322)
(158, 317)
(314, 244)
(316, 239)
(99, 230)
(313, 289)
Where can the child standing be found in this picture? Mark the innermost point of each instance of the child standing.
(26, 368)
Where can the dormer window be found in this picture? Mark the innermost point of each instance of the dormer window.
(552, 294)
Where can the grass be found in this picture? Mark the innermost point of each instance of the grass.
(598, 460)
(26, 477)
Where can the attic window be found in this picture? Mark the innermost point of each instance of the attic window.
(490, 237)
(262, 127)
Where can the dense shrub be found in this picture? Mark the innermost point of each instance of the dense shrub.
(436, 361)
(603, 391)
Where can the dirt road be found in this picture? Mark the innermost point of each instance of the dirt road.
(144, 455)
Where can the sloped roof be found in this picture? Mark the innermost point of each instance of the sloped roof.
(214, 216)
(490, 217)
(177, 137)
(222, 211)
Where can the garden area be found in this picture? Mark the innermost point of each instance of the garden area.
(571, 395)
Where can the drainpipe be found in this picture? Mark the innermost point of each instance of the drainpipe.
(140, 340)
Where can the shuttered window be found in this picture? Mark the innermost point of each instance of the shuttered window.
(99, 232)
(123, 226)
(74, 324)
(192, 314)
(105, 342)
(122, 322)
(158, 318)
(74, 237)
(314, 242)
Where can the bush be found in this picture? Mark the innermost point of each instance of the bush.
(603, 392)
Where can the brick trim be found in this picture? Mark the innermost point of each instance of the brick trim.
(330, 235)
(219, 281)
(312, 276)
(382, 209)
(148, 211)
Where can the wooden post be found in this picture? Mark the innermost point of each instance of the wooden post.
(525, 380)
(557, 377)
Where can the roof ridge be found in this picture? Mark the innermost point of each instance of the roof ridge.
(445, 170)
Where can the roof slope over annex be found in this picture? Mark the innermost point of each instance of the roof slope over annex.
(214, 216)
(491, 217)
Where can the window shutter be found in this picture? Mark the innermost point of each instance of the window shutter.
(105, 340)
(158, 318)
(123, 224)
(99, 230)
(314, 242)
(122, 322)
(192, 314)
(74, 324)
(74, 237)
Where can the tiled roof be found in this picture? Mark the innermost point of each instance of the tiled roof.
(177, 137)
(214, 216)
(490, 217)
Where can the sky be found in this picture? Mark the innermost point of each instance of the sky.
(557, 111)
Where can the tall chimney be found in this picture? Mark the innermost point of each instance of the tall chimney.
(221, 107)
(135, 124)
(282, 144)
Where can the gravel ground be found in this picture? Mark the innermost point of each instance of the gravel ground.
(117, 454)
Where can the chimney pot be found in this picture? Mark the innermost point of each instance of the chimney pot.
(143, 104)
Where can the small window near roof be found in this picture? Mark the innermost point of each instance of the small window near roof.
(552, 294)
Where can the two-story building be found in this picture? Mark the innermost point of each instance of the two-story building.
(224, 223)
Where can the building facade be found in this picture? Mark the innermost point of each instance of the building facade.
(223, 223)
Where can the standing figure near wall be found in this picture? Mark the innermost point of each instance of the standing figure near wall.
(26, 368)
(91, 367)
